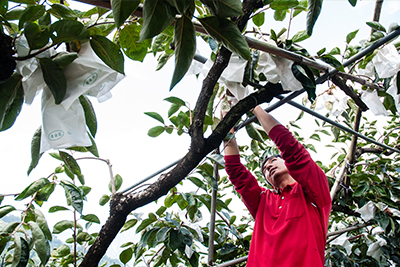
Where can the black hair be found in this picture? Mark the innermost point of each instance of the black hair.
(265, 162)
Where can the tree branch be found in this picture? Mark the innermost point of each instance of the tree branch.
(349, 91)
(345, 210)
(121, 206)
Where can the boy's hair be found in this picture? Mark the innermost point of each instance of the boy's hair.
(265, 161)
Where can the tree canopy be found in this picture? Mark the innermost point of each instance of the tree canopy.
(47, 39)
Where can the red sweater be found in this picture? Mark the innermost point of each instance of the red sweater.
(290, 227)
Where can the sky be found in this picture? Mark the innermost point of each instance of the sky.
(122, 125)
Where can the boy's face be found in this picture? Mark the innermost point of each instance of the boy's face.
(274, 170)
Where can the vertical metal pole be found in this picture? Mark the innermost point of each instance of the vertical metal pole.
(213, 211)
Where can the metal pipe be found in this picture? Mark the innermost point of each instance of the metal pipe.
(213, 209)
(321, 79)
(151, 176)
(334, 123)
(233, 262)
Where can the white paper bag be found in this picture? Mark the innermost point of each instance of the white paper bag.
(267, 66)
(90, 76)
(234, 72)
(62, 128)
(393, 92)
(371, 99)
(32, 77)
(387, 61)
(278, 69)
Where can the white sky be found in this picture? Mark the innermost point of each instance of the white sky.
(122, 126)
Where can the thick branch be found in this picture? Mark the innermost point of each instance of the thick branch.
(375, 150)
(345, 88)
(345, 210)
(123, 205)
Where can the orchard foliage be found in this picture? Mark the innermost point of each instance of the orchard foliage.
(177, 233)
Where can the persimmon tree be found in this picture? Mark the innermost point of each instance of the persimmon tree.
(367, 175)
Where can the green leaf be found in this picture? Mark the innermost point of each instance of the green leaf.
(335, 51)
(304, 75)
(253, 133)
(42, 223)
(258, 19)
(198, 182)
(3, 7)
(185, 48)
(398, 82)
(376, 26)
(362, 188)
(62, 11)
(40, 242)
(68, 31)
(31, 13)
(280, 15)
(189, 199)
(313, 11)
(91, 218)
(173, 109)
(35, 149)
(83, 237)
(353, 2)
(14, 14)
(175, 100)
(8, 91)
(61, 226)
(144, 224)
(129, 42)
(54, 78)
(117, 183)
(300, 36)
(21, 252)
(227, 33)
(315, 137)
(57, 208)
(85, 189)
(163, 59)
(71, 163)
(157, 15)
(351, 36)
(184, 119)
(126, 255)
(74, 195)
(175, 239)
(155, 116)
(376, 36)
(9, 228)
(37, 36)
(63, 59)
(162, 234)
(108, 52)
(93, 148)
(45, 20)
(61, 251)
(103, 200)
(122, 9)
(224, 8)
(218, 158)
(331, 60)
(128, 225)
(4, 210)
(181, 5)
(156, 131)
(11, 100)
(311, 147)
(90, 115)
(32, 188)
(283, 4)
